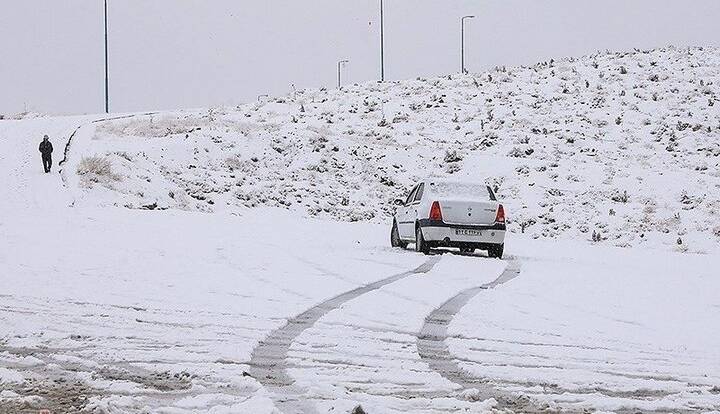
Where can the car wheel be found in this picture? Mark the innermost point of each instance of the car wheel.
(395, 240)
(420, 245)
(496, 251)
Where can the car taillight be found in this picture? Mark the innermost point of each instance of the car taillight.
(435, 211)
(500, 217)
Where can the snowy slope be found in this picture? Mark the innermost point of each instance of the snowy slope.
(623, 145)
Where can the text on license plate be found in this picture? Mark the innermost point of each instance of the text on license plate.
(468, 232)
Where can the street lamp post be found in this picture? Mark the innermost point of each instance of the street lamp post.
(382, 40)
(339, 77)
(107, 83)
(462, 43)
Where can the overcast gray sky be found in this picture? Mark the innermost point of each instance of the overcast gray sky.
(167, 54)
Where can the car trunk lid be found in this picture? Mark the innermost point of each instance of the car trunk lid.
(468, 212)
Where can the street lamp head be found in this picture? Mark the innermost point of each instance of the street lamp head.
(468, 17)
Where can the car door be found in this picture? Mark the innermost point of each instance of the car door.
(406, 221)
(411, 207)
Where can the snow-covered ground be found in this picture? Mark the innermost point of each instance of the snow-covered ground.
(194, 262)
(607, 329)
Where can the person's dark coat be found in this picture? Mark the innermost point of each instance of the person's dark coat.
(46, 148)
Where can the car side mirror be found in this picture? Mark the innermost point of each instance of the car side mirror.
(399, 202)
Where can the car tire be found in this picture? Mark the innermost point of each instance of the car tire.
(496, 251)
(395, 240)
(420, 244)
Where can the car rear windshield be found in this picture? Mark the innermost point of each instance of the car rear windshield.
(463, 190)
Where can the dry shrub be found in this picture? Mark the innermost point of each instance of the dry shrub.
(96, 169)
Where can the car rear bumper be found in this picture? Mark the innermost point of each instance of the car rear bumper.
(455, 235)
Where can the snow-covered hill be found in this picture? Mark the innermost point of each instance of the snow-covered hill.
(621, 147)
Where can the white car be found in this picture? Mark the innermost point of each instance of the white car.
(450, 214)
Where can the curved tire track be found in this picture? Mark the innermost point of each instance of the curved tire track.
(269, 358)
(435, 352)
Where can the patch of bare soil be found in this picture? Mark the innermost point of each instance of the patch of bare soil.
(54, 396)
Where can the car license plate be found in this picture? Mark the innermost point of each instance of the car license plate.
(467, 232)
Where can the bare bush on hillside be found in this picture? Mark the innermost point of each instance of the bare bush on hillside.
(96, 169)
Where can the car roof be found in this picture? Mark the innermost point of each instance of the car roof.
(452, 182)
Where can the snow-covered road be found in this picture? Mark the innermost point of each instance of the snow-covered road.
(433, 349)
(269, 358)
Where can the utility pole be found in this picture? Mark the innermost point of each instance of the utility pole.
(107, 83)
(462, 43)
(382, 40)
(339, 77)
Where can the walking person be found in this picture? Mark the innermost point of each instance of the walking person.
(46, 150)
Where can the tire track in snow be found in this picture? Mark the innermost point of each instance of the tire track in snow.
(435, 352)
(269, 358)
